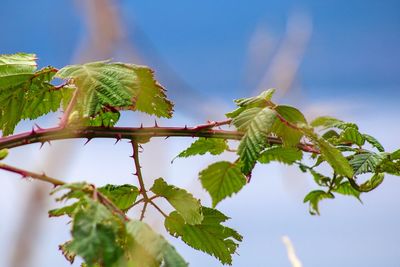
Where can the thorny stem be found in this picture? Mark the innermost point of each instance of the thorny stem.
(139, 176)
(24, 173)
(58, 133)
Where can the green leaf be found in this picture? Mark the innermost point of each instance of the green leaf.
(3, 153)
(365, 162)
(122, 86)
(221, 180)
(375, 143)
(123, 196)
(329, 122)
(372, 183)
(16, 69)
(69, 256)
(151, 248)
(210, 236)
(66, 210)
(319, 178)
(24, 93)
(262, 100)
(187, 206)
(257, 124)
(287, 155)
(314, 197)
(345, 188)
(106, 119)
(395, 155)
(289, 135)
(203, 145)
(353, 136)
(333, 156)
(94, 233)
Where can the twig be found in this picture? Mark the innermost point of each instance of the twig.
(24, 173)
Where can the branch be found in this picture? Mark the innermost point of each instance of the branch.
(60, 133)
(24, 173)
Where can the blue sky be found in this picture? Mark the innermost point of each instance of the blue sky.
(350, 69)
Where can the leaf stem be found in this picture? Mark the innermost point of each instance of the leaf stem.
(68, 110)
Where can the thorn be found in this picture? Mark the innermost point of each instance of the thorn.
(41, 145)
(118, 137)
(185, 127)
(167, 137)
(141, 126)
(49, 142)
(33, 131)
(248, 176)
(38, 127)
(132, 156)
(87, 141)
(155, 124)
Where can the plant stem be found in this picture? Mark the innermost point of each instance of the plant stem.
(60, 133)
(24, 173)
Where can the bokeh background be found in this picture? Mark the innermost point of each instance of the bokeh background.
(339, 58)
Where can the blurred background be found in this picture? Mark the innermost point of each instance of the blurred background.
(339, 58)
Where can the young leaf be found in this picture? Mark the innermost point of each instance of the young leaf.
(66, 210)
(94, 233)
(375, 143)
(289, 135)
(353, 136)
(372, 183)
(261, 101)
(326, 122)
(105, 119)
(332, 155)
(150, 247)
(257, 124)
(203, 145)
(122, 86)
(287, 155)
(123, 196)
(314, 197)
(345, 188)
(221, 180)
(184, 203)
(69, 256)
(365, 162)
(210, 236)
(395, 155)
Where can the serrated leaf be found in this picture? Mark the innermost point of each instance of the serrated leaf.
(262, 100)
(94, 233)
(353, 136)
(221, 180)
(16, 69)
(123, 196)
(287, 155)
(334, 157)
(24, 93)
(329, 122)
(69, 256)
(210, 236)
(150, 249)
(314, 197)
(289, 135)
(121, 86)
(184, 203)
(331, 134)
(201, 146)
(257, 124)
(66, 210)
(319, 178)
(374, 142)
(345, 188)
(365, 162)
